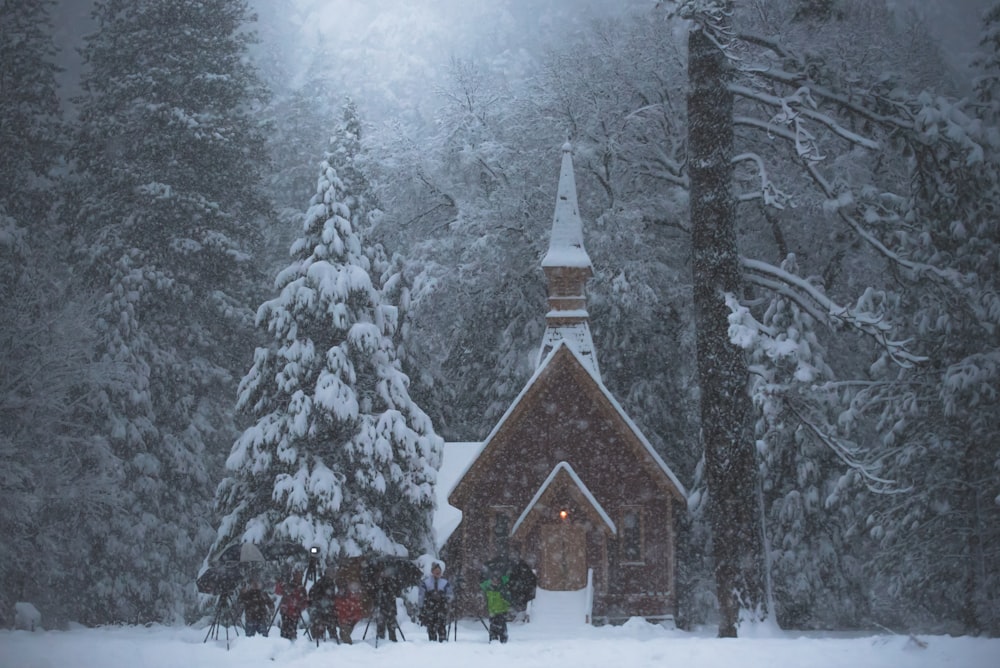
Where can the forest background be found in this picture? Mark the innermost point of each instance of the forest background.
(151, 189)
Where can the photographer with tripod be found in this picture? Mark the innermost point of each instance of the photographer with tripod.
(386, 590)
(257, 609)
(323, 608)
(294, 600)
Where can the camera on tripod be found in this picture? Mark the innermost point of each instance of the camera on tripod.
(312, 569)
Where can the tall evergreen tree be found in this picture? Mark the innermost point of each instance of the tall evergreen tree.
(915, 202)
(730, 458)
(338, 456)
(166, 226)
(938, 544)
(798, 402)
(48, 478)
(31, 129)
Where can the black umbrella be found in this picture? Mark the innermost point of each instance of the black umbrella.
(522, 584)
(521, 581)
(402, 572)
(282, 549)
(230, 555)
(220, 580)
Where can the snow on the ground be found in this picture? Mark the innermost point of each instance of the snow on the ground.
(636, 644)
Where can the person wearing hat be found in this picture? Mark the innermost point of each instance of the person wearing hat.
(497, 604)
(435, 596)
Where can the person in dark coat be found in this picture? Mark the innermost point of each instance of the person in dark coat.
(435, 600)
(257, 609)
(386, 591)
(323, 607)
(294, 600)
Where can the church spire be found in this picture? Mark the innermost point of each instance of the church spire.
(567, 268)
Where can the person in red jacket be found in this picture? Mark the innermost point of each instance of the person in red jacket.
(294, 600)
(350, 609)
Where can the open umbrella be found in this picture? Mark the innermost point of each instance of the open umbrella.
(522, 580)
(522, 584)
(250, 552)
(220, 580)
(282, 549)
(401, 572)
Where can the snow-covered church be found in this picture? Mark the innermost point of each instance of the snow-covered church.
(565, 481)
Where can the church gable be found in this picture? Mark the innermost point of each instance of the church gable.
(564, 414)
(562, 495)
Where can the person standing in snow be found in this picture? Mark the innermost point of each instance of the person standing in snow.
(435, 599)
(386, 591)
(323, 608)
(497, 604)
(257, 609)
(294, 600)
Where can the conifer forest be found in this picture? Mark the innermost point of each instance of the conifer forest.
(259, 261)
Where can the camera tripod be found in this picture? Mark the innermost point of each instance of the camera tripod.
(389, 624)
(225, 614)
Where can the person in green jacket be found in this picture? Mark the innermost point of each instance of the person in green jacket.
(497, 604)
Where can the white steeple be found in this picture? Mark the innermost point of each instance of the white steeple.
(567, 268)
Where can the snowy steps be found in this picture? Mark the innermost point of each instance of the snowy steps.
(558, 610)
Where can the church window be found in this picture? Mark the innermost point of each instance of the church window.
(631, 536)
(501, 532)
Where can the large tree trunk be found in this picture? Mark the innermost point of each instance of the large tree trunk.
(730, 462)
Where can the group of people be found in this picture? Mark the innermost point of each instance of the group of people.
(336, 603)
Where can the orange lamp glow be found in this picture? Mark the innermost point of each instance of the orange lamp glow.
(563, 514)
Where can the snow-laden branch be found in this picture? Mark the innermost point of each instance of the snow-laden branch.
(798, 79)
(850, 454)
(950, 277)
(918, 268)
(801, 103)
(714, 19)
(824, 309)
(769, 192)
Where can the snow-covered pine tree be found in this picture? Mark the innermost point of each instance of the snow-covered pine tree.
(802, 456)
(31, 129)
(165, 220)
(32, 401)
(51, 478)
(939, 543)
(914, 189)
(338, 456)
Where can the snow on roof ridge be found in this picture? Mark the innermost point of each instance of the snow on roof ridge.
(614, 403)
(565, 466)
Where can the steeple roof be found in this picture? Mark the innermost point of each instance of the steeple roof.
(567, 268)
(566, 243)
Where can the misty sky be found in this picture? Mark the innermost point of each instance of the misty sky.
(402, 41)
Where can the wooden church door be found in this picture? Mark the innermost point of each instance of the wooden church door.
(563, 562)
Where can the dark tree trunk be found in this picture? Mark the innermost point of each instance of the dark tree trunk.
(730, 461)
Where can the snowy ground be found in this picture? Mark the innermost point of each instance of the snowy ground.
(531, 646)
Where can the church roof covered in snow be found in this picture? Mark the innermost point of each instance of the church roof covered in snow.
(566, 243)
